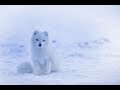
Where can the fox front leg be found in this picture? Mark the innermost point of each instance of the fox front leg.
(48, 66)
(36, 69)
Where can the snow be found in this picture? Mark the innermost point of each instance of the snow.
(86, 38)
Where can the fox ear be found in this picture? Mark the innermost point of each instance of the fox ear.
(35, 32)
(45, 33)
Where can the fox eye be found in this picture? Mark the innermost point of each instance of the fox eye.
(43, 40)
(36, 39)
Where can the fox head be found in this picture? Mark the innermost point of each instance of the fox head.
(40, 39)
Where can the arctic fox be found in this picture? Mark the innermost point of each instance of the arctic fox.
(43, 58)
(42, 55)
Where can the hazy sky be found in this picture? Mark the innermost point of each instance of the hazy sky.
(61, 21)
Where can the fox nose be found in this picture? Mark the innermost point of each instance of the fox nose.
(39, 45)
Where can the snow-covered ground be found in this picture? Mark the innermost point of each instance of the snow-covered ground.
(86, 38)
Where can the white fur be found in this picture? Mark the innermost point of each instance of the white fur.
(43, 57)
(24, 67)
